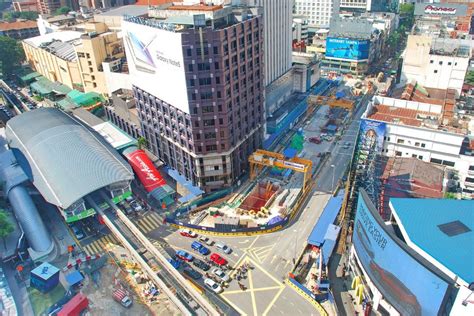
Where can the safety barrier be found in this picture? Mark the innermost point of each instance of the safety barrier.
(306, 294)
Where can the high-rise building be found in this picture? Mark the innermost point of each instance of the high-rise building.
(198, 84)
(318, 12)
(369, 5)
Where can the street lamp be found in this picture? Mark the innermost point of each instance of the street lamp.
(333, 173)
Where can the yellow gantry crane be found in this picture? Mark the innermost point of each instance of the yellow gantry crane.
(262, 158)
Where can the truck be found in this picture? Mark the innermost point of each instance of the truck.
(75, 307)
(121, 296)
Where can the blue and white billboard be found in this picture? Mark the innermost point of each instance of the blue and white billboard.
(397, 272)
(345, 48)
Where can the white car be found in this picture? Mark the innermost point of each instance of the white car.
(223, 247)
(221, 274)
(206, 240)
(213, 286)
(187, 233)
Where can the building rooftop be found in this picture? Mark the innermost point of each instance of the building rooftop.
(356, 28)
(57, 43)
(66, 160)
(417, 114)
(135, 10)
(17, 25)
(441, 228)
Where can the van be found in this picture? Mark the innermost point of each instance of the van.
(223, 247)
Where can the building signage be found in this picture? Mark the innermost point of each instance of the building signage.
(145, 170)
(438, 9)
(347, 49)
(294, 165)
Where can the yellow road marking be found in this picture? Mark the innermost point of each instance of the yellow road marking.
(265, 271)
(282, 288)
(268, 288)
(241, 312)
(252, 294)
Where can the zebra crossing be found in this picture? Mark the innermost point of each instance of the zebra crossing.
(149, 222)
(100, 245)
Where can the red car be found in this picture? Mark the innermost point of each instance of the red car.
(217, 259)
(187, 233)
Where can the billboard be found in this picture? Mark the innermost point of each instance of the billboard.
(440, 9)
(155, 62)
(345, 48)
(371, 137)
(145, 170)
(404, 279)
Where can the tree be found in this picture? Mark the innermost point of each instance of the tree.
(469, 78)
(407, 15)
(29, 15)
(141, 142)
(6, 227)
(11, 55)
(62, 10)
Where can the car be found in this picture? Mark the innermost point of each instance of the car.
(221, 274)
(217, 259)
(216, 288)
(175, 263)
(187, 233)
(206, 240)
(200, 248)
(193, 274)
(77, 232)
(201, 265)
(136, 206)
(223, 247)
(183, 255)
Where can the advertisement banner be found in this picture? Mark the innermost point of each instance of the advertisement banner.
(349, 49)
(440, 9)
(155, 62)
(403, 280)
(145, 170)
(371, 137)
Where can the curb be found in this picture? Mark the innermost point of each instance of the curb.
(313, 302)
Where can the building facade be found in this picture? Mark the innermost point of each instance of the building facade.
(23, 6)
(74, 58)
(435, 63)
(19, 30)
(426, 132)
(205, 117)
(318, 12)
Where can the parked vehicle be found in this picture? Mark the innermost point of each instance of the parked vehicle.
(200, 248)
(175, 263)
(206, 240)
(77, 232)
(221, 274)
(190, 272)
(75, 306)
(201, 265)
(121, 296)
(217, 259)
(187, 233)
(315, 140)
(216, 288)
(223, 247)
(183, 255)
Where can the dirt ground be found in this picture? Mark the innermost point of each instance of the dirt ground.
(102, 302)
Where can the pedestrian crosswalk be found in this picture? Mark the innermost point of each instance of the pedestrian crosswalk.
(149, 222)
(100, 245)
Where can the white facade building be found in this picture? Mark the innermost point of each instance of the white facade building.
(417, 133)
(433, 63)
(318, 12)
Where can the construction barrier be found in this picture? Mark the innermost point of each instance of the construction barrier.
(306, 294)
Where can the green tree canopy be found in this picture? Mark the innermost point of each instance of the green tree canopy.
(469, 78)
(62, 10)
(11, 55)
(27, 15)
(6, 227)
(141, 142)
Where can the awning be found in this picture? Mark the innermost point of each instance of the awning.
(316, 238)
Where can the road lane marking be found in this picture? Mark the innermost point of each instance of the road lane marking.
(275, 298)
(244, 242)
(241, 312)
(260, 289)
(252, 294)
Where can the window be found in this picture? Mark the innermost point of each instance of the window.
(216, 167)
(449, 63)
(206, 95)
(190, 67)
(192, 82)
(471, 168)
(211, 147)
(400, 141)
(448, 163)
(398, 153)
(221, 121)
(431, 61)
(413, 156)
(417, 144)
(435, 71)
(423, 145)
(207, 109)
(204, 81)
(209, 122)
(440, 63)
(437, 161)
(216, 65)
(420, 157)
(218, 80)
(219, 95)
(204, 66)
(189, 52)
(210, 135)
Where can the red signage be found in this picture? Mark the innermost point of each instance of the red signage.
(145, 170)
(434, 9)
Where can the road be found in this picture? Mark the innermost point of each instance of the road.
(271, 255)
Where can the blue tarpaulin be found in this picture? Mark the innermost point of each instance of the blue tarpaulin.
(74, 278)
(327, 218)
(340, 94)
(274, 220)
(330, 242)
(290, 152)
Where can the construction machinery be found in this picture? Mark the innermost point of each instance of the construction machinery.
(332, 101)
(262, 158)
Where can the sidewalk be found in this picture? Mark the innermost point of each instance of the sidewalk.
(341, 288)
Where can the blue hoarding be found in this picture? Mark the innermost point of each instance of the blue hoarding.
(407, 284)
(345, 48)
